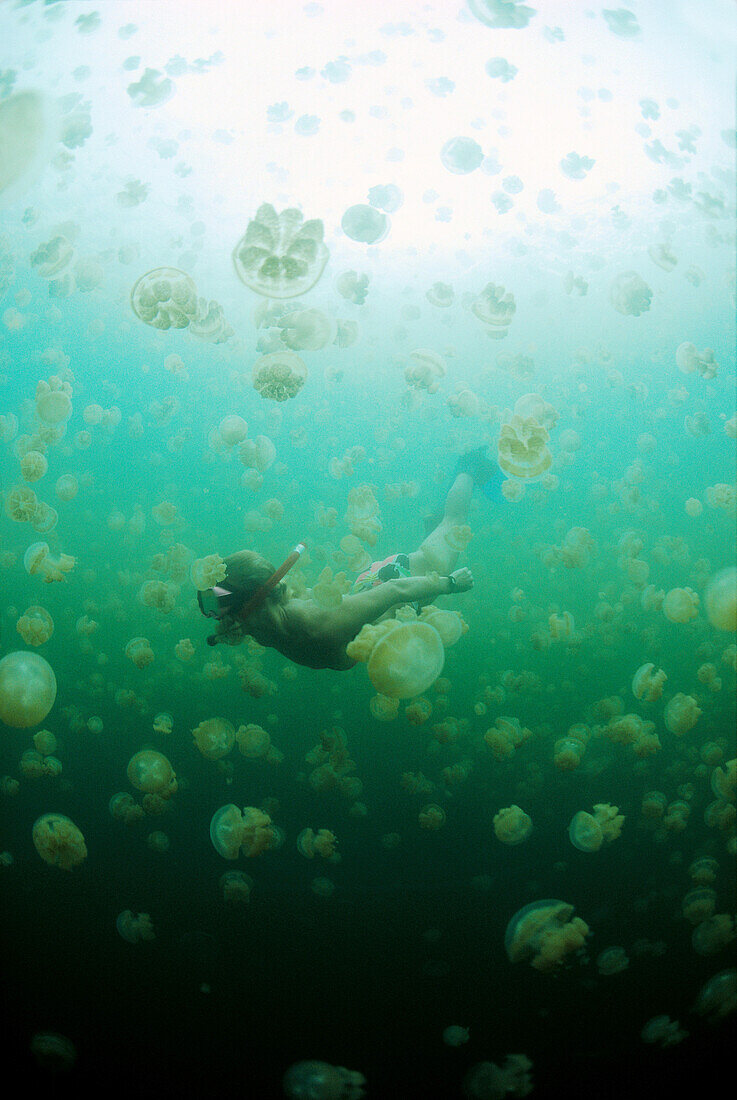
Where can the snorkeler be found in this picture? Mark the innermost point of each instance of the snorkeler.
(253, 600)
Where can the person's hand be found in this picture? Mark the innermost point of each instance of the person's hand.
(463, 579)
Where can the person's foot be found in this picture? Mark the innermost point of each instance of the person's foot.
(478, 465)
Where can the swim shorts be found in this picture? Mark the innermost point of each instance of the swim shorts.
(390, 569)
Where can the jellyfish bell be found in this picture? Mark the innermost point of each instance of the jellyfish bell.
(585, 833)
(406, 660)
(28, 134)
(27, 689)
(226, 831)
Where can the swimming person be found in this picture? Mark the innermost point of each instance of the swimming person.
(253, 599)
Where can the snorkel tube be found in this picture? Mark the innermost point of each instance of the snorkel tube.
(259, 596)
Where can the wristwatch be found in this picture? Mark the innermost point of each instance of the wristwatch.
(452, 581)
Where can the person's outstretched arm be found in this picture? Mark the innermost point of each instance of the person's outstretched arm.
(342, 623)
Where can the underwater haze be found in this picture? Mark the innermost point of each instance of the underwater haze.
(286, 272)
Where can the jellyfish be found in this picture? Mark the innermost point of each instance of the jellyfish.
(713, 934)
(214, 738)
(165, 298)
(512, 825)
(27, 139)
(522, 447)
(134, 929)
(630, 294)
(461, 155)
(718, 996)
(307, 329)
(544, 932)
(612, 960)
(236, 887)
(279, 376)
(226, 828)
(35, 625)
(502, 14)
(487, 1081)
(321, 1081)
(681, 605)
(405, 661)
(150, 771)
(53, 1052)
(253, 741)
(27, 689)
(681, 714)
(365, 224)
(647, 684)
(721, 599)
(663, 1030)
(584, 832)
(455, 1035)
(495, 308)
(280, 255)
(58, 841)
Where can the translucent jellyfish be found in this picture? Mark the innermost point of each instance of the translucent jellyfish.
(431, 817)
(612, 960)
(487, 1081)
(575, 166)
(214, 738)
(27, 138)
(461, 155)
(689, 360)
(512, 825)
(498, 68)
(724, 781)
(352, 286)
(53, 1052)
(621, 22)
(365, 224)
(585, 832)
(425, 369)
(663, 1030)
(681, 714)
(322, 843)
(713, 934)
(236, 887)
(54, 400)
(544, 932)
(134, 928)
(718, 997)
(522, 448)
(206, 572)
(33, 466)
(406, 660)
(52, 257)
(502, 14)
(279, 376)
(321, 1081)
(280, 255)
(494, 308)
(449, 624)
(258, 454)
(165, 298)
(681, 605)
(630, 294)
(152, 90)
(150, 771)
(647, 683)
(139, 651)
(698, 905)
(233, 430)
(307, 329)
(253, 741)
(720, 599)
(441, 295)
(35, 625)
(455, 1035)
(66, 487)
(59, 842)
(27, 689)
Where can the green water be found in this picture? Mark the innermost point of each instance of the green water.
(610, 150)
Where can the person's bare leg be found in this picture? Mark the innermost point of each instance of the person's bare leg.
(435, 554)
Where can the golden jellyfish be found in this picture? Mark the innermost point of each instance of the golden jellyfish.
(681, 605)
(703, 871)
(122, 807)
(33, 466)
(279, 375)
(27, 689)
(522, 448)
(139, 651)
(647, 683)
(35, 625)
(163, 723)
(280, 255)
(718, 996)
(384, 709)
(723, 781)
(431, 817)
(150, 771)
(226, 828)
(320, 1080)
(253, 741)
(165, 298)
(588, 832)
(53, 1052)
(321, 843)
(698, 905)
(406, 660)
(45, 742)
(681, 714)
(512, 825)
(135, 928)
(425, 369)
(54, 400)
(495, 308)
(158, 841)
(37, 561)
(207, 572)
(721, 599)
(544, 933)
(713, 934)
(612, 960)
(214, 738)
(58, 841)
(236, 887)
